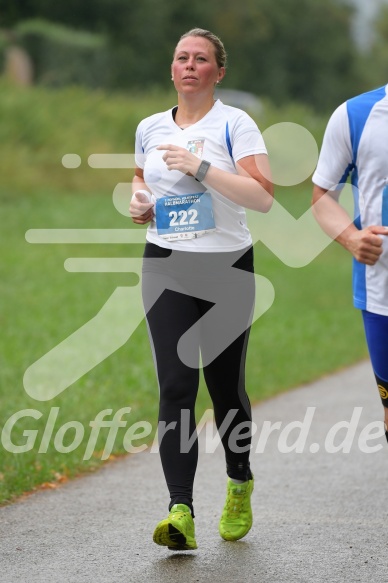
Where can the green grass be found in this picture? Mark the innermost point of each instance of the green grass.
(39, 126)
(311, 329)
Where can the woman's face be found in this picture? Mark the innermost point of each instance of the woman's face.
(194, 68)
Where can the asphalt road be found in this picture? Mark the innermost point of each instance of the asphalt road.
(321, 514)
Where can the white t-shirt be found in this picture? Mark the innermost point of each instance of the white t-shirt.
(356, 143)
(222, 137)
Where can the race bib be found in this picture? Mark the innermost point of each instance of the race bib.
(185, 216)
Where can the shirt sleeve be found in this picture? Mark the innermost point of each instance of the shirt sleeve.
(246, 138)
(335, 159)
(139, 150)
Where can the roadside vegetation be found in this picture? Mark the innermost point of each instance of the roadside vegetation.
(311, 330)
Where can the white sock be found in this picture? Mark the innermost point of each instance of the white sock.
(237, 481)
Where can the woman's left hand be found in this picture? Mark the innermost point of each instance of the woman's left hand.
(178, 158)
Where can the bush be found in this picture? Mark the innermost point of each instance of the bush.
(40, 125)
(63, 56)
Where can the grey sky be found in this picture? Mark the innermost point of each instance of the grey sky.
(363, 23)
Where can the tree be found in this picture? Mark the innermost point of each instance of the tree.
(286, 50)
(300, 50)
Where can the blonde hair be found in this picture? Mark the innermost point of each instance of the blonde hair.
(219, 48)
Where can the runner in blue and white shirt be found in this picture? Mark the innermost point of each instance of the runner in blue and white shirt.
(199, 165)
(224, 136)
(356, 144)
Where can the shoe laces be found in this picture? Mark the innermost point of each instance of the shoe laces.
(235, 500)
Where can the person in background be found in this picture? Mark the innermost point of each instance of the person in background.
(198, 165)
(355, 142)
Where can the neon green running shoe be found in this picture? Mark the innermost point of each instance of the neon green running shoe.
(177, 531)
(236, 519)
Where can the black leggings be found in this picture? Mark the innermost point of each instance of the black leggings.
(179, 292)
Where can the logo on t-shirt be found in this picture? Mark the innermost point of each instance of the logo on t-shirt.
(196, 147)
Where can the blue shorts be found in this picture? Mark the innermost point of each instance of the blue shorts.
(376, 331)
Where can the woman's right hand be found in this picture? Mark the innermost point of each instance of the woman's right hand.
(141, 208)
